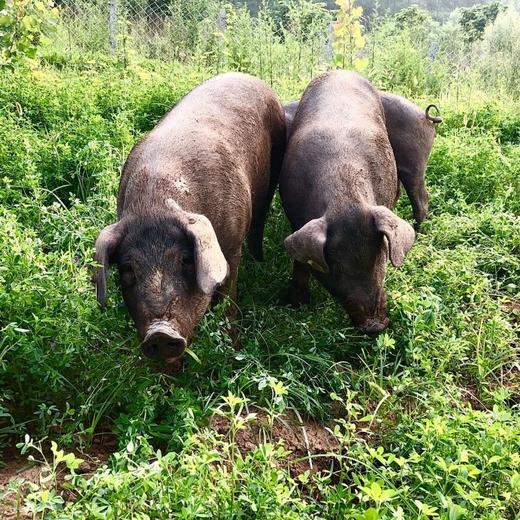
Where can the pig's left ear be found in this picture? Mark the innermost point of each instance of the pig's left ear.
(210, 262)
(106, 244)
(212, 267)
(400, 234)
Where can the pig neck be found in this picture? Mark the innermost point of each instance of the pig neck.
(354, 188)
(337, 212)
(148, 208)
(151, 225)
(339, 202)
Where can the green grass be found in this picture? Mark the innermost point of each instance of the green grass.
(426, 416)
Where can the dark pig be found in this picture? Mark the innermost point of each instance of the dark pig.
(190, 192)
(338, 186)
(411, 131)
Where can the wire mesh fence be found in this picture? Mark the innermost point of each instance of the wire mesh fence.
(217, 35)
(279, 39)
(155, 28)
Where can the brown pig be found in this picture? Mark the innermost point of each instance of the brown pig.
(190, 192)
(338, 186)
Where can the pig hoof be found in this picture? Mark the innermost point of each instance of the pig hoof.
(419, 217)
(294, 298)
(417, 227)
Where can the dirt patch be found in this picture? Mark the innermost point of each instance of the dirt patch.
(16, 469)
(470, 395)
(18, 472)
(512, 307)
(511, 380)
(311, 444)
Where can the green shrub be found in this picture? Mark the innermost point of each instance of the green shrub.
(475, 19)
(476, 169)
(23, 26)
(499, 53)
(402, 61)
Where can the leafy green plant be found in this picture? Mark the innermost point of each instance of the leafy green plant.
(24, 24)
(42, 497)
(411, 18)
(348, 38)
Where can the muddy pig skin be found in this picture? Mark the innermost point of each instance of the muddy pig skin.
(190, 192)
(338, 186)
(411, 131)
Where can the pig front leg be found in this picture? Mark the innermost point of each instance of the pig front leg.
(232, 308)
(230, 289)
(298, 291)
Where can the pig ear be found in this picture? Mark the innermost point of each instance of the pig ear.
(212, 267)
(307, 245)
(400, 234)
(106, 244)
(210, 262)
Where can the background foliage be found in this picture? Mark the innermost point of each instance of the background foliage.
(23, 24)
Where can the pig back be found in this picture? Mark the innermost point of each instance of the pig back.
(211, 154)
(338, 149)
(410, 132)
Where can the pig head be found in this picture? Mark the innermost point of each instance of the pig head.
(170, 265)
(348, 252)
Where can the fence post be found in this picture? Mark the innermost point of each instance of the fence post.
(112, 25)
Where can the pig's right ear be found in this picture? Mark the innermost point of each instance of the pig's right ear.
(106, 244)
(307, 245)
(399, 234)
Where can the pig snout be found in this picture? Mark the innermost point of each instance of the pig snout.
(163, 343)
(367, 310)
(373, 327)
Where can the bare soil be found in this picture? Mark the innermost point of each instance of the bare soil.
(512, 307)
(311, 444)
(19, 472)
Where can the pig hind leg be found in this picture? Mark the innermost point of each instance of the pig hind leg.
(413, 182)
(256, 233)
(255, 237)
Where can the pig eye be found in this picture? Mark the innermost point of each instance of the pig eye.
(127, 274)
